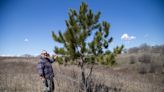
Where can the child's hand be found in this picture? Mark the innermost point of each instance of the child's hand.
(42, 78)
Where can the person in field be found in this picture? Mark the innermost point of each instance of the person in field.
(45, 71)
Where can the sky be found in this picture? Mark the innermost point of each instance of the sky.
(26, 25)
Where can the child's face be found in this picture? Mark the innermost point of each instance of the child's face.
(45, 55)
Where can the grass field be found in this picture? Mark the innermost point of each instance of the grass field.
(19, 74)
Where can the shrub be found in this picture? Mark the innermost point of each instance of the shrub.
(152, 68)
(133, 50)
(90, 60)
(145, 58)
(142, 69)
(132, 60)
(60, 60)
(162, 69)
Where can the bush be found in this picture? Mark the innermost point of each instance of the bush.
(142, 69)
(149, 68)
(60, 60)
(152, 68)
(90, 60)
(108, 59)
(145, 58)
(162, 69)
(132, 60)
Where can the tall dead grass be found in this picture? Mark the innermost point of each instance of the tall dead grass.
(20, 75)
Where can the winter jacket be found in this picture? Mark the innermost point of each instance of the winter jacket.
(44, 68)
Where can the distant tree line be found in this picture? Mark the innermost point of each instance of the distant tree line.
(145, 48)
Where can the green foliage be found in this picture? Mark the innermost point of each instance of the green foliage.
(118, 50)
(90, 59)
(60, 60)
(80, 26)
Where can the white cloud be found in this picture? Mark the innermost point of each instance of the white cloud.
(126, 37)
(26, 40)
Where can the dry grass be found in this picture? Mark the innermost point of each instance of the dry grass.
(20, 75)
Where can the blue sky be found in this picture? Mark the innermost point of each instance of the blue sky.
(26, 25)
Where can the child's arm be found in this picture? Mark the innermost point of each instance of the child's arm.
(53, 59)
(40, 67)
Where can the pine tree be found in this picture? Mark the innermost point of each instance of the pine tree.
(81, 26)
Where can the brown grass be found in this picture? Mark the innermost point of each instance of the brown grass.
(20, 75)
